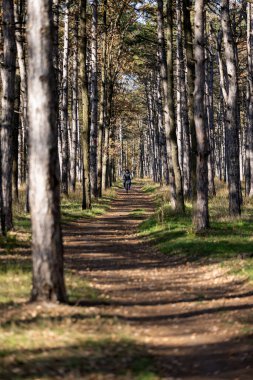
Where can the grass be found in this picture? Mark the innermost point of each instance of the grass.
(69, 358)
(137, 213)
(71, 207)
(49, 342)
(227, 240)
(150, 188)
(71, 341)
(16, 279)
(70, 211)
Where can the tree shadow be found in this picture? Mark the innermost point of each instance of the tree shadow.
(127, 359)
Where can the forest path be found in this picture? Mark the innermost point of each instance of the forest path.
(190, 317)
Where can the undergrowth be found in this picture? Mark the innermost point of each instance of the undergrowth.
(228, 239)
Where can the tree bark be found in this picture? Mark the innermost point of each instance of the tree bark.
(16, 129)
(8, 71)
(171, 106)
(103, 97)
(201, 216)
(47, 248)
(165, 95)
(250, 97)
(94, 99)
(74, 130)
(20, 42)
(64, 110)
(188, 35)
(232, 130)
(85, 123)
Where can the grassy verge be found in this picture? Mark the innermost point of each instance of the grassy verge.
(74, 341)
(228, 239)
(70, 211)
(41, 341)
(71, 206)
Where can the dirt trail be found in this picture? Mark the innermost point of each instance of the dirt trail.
(190, 317)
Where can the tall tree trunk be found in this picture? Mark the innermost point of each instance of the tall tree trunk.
(232, 130)
(250, 96)
(188, 35)
(172, 116)
(183, 108)
(85, 123)
(105, 159)
(74, 131)
(165, 94)
(56, 16)
(15, 140)
(20, 41)
(47, 250)
(64, 110)
(201, 216)
(94, 99)
(102, 101)
(8, 71)
(2, 218)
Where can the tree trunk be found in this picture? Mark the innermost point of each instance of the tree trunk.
(20, 41)
(102, 101)
(232, 131)
(183, 99)
(8, 71)
(56, 16)
(94, 99)
(64, 110)
(165, 95)
(250, 97)
(74, 131)
(105, 160)
(85, 123)
(15, 140)
(47, 249)
(201, 216)
(172, 116)
(188, 35)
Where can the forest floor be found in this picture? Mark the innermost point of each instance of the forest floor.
(142, 315)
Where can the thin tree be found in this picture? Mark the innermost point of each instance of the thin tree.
(232, 127)
(94, 98)
(64, 110)
(103, 96)
(8, 71)
(201, 216)
(85, 123)
(47, 248)
(171, 106)
(165, 96)
(188, 35)
(249, 178)
(74, 126)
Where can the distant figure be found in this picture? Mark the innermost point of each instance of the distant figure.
(127, 180)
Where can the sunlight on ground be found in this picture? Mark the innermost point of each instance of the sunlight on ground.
(228, 239)
(51, 342)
